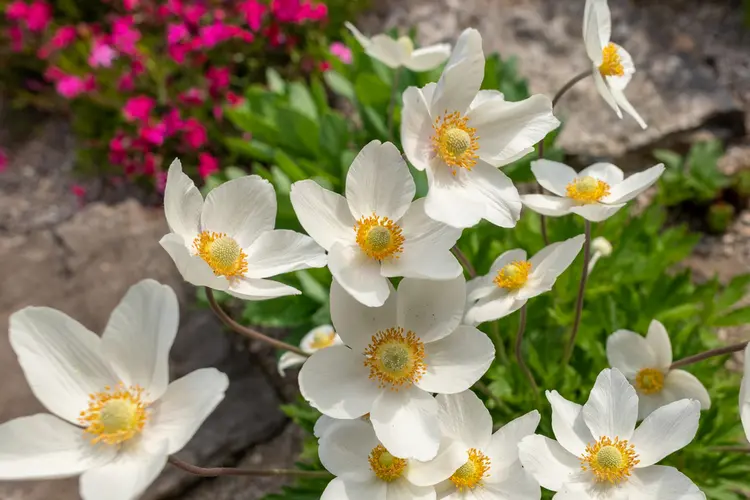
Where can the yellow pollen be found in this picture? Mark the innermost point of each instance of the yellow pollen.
(379, 237)
(587, 190)
(114, 416)
(611, 62)
(395, 358)
(514, 275)
(322, 340)
(649, 381)
(222, 253)
(610, 461)
(384, 465)
(470, 474)
(455, 142)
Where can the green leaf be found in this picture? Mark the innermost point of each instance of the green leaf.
(234, 173)
(311, 288)
(736, 317)
(275, 82)
(371, 91)
(670, 159)
(282, 312)
(289, 167)
(301, 100)
(254, 149)
(339, 85)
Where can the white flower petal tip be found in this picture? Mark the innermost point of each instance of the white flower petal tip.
(401, 52)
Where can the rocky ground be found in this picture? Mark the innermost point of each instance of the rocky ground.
(694, 76)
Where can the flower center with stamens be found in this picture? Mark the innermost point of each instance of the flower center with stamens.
(222, 253)
(384, 465)
(587, 189)
(610, 461)
(649, 380)
(455, 142)
(514, 275)
(379, 237)
(406, 43)
(323, 339)
(470, 474)
(114, 416)
(395, 358)
(611, 62)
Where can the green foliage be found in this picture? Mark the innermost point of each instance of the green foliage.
(694, 177)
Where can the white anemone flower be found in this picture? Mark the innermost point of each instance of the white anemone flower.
(460, 135)
(377, 231)
(513, 280)
(645, 362)
(114, 415)
(401, 52)
(364, 468)
(745, 395)
(612, 65)
(318, 338)
(600, 455)
(596, 193)
(227, 242)
(600, 247)
(473, 463)
(395, 357)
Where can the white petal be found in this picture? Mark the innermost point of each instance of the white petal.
(549, 463)
(619, 82)
(125, 477)
(662, 483)
(629, 352)
(461, 77)
(602, 171)
(323, 214)
(139, 335)
(625, 105)
(506, 129)
(449, 200)
(511, 483)
(355, 322)
(635, 185)
(658, 339)
(496, 192)
(188, 401)
(361, 38)
(464, 418)
(668, 429)
(325, 424)
(308, 342)
(649, 403)
(336, 381)
(282, 251)
(431, 309)
(401, 489)
(386, 50)
(344, 450)
(596, 212)
(289, 360)
(427, 58)
(339, 489)
(684, 385)
(358, 274)
(193, 269)
(241, 208)
(259, 289)
(451, 456)
(406, 423)
(61, 359)
(605, 91)
(612, 408)
(416, 125)
(496, 305)
(597, 28)
(503, 448)
(568, 425)
(553, 175)
(379, 183)
(457, 361)
(44, 447)
(552, 261)
(544, 204)
(182, 202)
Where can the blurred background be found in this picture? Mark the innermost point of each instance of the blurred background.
(97, 98)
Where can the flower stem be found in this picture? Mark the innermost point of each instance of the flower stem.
(464, 260)
(232, 471)
(519, 355)
(248, 332)
(579, 301)
(708, 354)
(392, 103)
(498, 341)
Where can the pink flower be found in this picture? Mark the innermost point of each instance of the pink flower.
(138, 108)
(192, 97)
(218, 113)
(194, 133)
(193, 13)
(63, 37)
(178, 52)
(324, 66)
(79, 191)
(117, 149)
(130, 4)
(53, 73)
(17, 10)
(155, 134)
(177, 33)
(254, 12)
(234, 99)
(124, 36)
(214, 34)
(160, 180)
(3, 161)
(207, 165)
(218, 79)
(149, 164)
(38, 16)
(70, 86)
(341, 51)
(172, 121)
(16, 38)
(126, 83)
(102, 54)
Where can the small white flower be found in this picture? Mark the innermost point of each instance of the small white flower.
(395, 356)
(513, 280)
(600, 247)
(377, 231)
(599, 454)
(596, 193)
(612, 65)
(397, 53)
(227, 242)
(645, 362)
(745, 395)
(460, 135)
(473, 463)
(115, 416)
(365, 470)
(318, 338)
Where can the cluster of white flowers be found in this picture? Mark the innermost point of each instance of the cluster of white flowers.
(392, 374)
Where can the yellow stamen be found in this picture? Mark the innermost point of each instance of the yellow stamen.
(114, 416)
(379, 237)
(610, 461)
(587, 190)
(455, 142)
(406, 43)
(470, 474)
(649, 381)
(323, 339)
(222, 253)
(514, 275)
(611, 62)
(384, 465)
(395, 358)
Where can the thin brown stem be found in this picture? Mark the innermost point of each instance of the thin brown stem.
(248, 332)
(464, 260)
(232, 471)
(564, 89)
(579, 301)
(719, 351)
(519, 355)
(392, 103)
